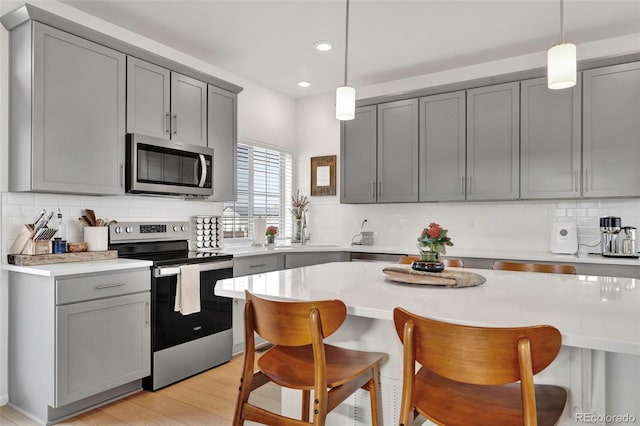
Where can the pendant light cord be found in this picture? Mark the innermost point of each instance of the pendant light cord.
(561, 21)
(346, 44)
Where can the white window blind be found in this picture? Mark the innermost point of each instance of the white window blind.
(265, 187)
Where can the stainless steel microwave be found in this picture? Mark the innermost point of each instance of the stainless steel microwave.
(159, 166)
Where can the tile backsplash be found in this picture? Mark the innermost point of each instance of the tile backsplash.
(516, 225)
(20, 208)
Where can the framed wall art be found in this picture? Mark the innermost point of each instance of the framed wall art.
(323, 175)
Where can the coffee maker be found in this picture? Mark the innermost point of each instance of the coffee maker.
(616, 240)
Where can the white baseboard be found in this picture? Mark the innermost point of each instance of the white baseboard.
(4, 399)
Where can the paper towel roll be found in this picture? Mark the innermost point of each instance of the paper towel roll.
(259, 229)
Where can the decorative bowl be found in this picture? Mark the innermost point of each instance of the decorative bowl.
(427, 266)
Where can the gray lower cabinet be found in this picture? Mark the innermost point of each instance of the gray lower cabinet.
(358, 157)
(77, 341)
(165, 104)
(298, 260)
(188, 110)
(398, 151)
(493, 142)
(611, 131)
(148, 99)
(67, 113)
(550, 141)
(222, 124)
(442, 147)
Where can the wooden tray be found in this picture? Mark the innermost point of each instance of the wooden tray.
(404, 274)
(47, 259)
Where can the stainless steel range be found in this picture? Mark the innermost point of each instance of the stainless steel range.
(181, 345)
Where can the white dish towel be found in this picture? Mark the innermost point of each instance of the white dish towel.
(188, 290)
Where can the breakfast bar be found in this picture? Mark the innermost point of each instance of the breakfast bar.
(598, 317)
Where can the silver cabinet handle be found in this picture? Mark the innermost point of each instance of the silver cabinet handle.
(576, 178)
(121, 175)
(379, 189)
(102, 287)
(167, 271)
(258, 266)
(373, 189)
(175, 124)
(167, 122)
(469, 188)
(462, 185)
(147, 313)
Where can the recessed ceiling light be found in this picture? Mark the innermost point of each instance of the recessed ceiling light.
(304, 84)
(322, 45)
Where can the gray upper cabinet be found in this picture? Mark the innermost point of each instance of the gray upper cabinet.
(358, 158)
(222, 137)
(165, 104)
(611, 131)
(188, 110)
(550, 141)
(493, 154)
(442, 147)
(398, 151)
(67, 124)
(148, 95)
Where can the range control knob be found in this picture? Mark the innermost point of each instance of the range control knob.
(183, 228)
(118, 229)
(128, 229)
(175, 228)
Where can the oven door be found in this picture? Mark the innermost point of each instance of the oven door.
(168, 167)
(171, 328)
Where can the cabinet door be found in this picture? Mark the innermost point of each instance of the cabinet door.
(442, 147)
(611, 126)
(493, 142)
(257, 264)
(297, 260)
(222, 127)
(100, 345)
(358, 157)
(148, 108)
(398, 151)
(188, 110)
(550, 140)
(79, 115)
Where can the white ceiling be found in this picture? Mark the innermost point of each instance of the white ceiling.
(271, 41)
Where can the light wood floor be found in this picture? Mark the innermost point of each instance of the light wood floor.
(205, 399)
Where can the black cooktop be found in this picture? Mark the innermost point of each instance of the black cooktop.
(163, 253)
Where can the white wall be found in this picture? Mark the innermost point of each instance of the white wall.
(263, 115)
(508, 225)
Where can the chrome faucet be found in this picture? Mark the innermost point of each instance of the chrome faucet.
(303, 225)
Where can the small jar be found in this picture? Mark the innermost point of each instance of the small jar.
(59, 246)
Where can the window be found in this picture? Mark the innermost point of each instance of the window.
(265, 187)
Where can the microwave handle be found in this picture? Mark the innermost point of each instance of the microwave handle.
(203, 174)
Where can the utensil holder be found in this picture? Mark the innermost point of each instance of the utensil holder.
(96, 237)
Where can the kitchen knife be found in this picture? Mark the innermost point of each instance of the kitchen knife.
(44, 222)
(40, 216)
(40, 223)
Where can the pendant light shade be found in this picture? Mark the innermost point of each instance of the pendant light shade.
(346, 95)
(561, 61)
(561, 69)
(345, 103)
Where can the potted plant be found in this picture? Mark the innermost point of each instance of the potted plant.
(432, 242)
(271, 233)
(299, 206)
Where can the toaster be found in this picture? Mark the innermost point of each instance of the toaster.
(564, 238)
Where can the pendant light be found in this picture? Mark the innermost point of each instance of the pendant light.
(346, 95)
(561, 60)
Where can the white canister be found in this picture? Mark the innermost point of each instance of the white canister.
(96, 237)
(259, 229)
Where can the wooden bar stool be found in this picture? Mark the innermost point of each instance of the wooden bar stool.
(450, 262)
(301, 360)
(535, 267)
(468, 375)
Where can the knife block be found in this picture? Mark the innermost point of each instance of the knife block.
(24, 236)
(37, 247)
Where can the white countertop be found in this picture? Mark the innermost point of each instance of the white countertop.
(74, 268)
(520, 255)
(601, 313)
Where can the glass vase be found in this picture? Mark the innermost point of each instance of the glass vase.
(271, 239)
(297, 229)
(429, 261)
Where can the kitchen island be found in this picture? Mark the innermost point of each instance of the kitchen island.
(598, 317)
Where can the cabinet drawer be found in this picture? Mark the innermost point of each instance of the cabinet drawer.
(97, 286)
(256, 265)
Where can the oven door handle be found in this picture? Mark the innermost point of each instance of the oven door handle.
(168, 271)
